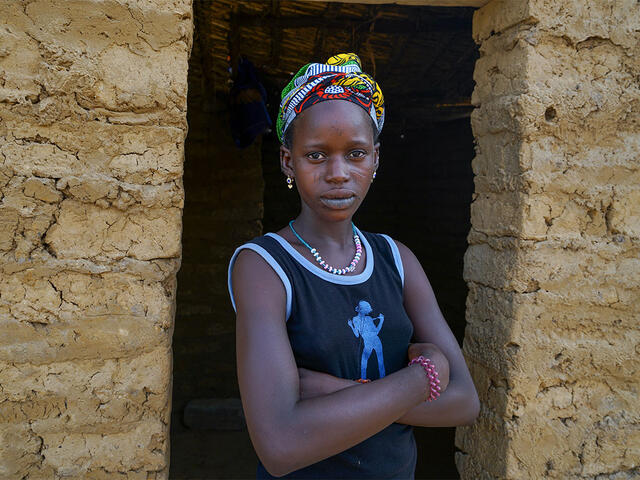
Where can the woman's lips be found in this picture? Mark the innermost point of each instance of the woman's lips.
(338, 199)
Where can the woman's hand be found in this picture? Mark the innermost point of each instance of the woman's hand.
(432, 352)
(314, 383)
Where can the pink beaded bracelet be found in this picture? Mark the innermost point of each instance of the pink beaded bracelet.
(430, 370)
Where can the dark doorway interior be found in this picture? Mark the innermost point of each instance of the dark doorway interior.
(423, 57)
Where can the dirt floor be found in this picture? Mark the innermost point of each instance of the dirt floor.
(189, 461)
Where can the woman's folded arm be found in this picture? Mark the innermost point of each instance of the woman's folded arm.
(455, 406)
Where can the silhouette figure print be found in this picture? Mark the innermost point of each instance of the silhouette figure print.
(363, 326)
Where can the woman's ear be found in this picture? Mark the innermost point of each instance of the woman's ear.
(376, 156)
(286, 162)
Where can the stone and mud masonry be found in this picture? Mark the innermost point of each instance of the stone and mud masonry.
(553, 263)
(92, 128)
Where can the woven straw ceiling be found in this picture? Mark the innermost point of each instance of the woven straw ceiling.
(423, 57)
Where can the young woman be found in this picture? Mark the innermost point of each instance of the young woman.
(341, 346)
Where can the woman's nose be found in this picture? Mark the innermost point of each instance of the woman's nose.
(337, 170)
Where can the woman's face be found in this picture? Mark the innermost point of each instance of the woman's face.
(332, 158)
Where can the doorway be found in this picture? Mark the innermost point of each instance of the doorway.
(423, 58)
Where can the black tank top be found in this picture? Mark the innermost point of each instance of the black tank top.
(351, 327)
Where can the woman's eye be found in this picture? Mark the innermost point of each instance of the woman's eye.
(358, 154)
(315, 156)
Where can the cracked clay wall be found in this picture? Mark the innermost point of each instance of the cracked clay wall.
(92, 127)
(553, 264)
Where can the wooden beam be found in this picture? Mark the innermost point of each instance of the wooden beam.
(382, 25)
(432, 3)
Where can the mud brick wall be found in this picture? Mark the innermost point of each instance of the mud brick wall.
(553, 264)
(92, 127)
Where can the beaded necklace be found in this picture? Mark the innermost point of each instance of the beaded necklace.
(325, 265)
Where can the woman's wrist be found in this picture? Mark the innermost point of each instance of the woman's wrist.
(432, 390)
(437, 357)
(420, 380)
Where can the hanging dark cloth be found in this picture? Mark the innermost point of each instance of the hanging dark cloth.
(249, 116)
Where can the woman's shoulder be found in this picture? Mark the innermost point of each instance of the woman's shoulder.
(257, 260)
(261, 248)
(266, 241)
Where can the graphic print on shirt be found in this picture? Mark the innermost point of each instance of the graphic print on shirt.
(363, 327)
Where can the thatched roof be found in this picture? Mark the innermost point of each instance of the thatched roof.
(422, 57)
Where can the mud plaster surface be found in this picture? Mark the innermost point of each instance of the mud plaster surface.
(92, 128)
(553, 263)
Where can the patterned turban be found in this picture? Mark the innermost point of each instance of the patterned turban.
(341, 78)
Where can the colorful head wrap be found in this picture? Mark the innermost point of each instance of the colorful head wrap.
(341, 78)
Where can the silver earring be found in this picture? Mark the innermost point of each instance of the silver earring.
(289, 182)
(374, 176)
